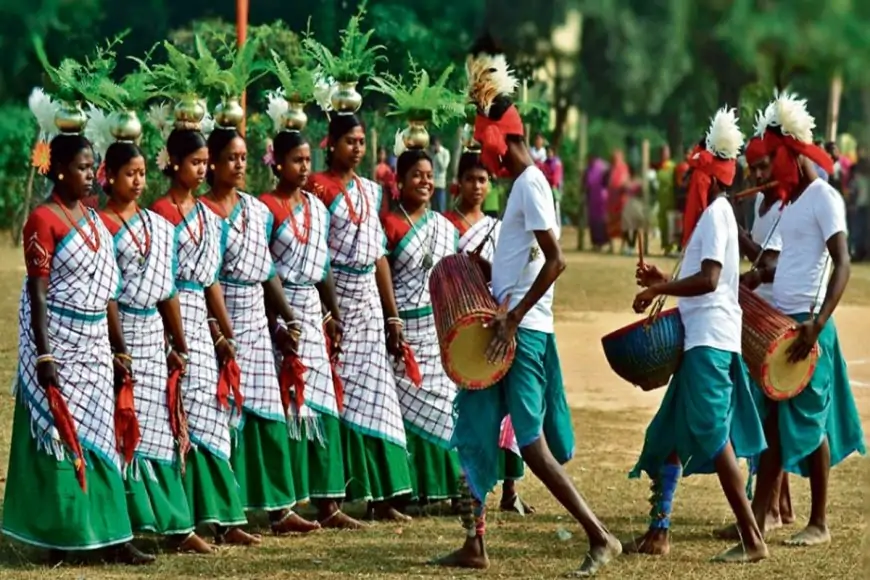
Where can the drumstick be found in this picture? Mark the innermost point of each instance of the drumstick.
(754, 190)
(640, 250)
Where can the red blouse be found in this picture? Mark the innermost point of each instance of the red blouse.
(42, 231)
(395, 227)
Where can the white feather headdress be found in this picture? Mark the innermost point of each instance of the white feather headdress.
(488, 77)
(44, 109)
(98, 131)
(160, 116)
(324, 87)
(724, 138)
(763, 119)
(276, 108)
(399, 143)
(789, 113)
(207, 125)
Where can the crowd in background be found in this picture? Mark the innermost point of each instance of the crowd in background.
(616, 212)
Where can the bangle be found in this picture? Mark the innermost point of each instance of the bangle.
(294, 324)
(220, 339)
(327, 318)
(210, 320)
(123, 356)
(232, 342)
(169, 350)
(278, 326)
(183, 356)
(395, 320)
(45, 358)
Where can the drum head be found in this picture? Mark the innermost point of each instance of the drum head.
(464, 354)
(782, 380)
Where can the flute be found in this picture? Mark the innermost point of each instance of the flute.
(754, 190)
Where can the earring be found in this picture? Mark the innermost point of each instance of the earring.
(175, 168)
(111, 182)
(60, 176)
(332, 149)
(278, 167)
(211, 166)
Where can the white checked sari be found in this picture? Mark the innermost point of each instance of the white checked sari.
(144, 284)
(80, 286)
(371, 405)
(246, 264)
(300, 266)
(474, 235)
(197, 267)
(428, 409)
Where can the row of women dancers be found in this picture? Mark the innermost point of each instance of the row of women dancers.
(264, 372)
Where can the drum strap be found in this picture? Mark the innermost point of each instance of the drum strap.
(664, 487)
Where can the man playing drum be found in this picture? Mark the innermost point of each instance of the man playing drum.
(708, 417)
(526, 263)
(818, 428)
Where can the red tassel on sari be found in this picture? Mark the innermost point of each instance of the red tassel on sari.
(230, 379)
(127, 434)
(337, 384)
(66, 427)
(177, 416)
(411, 365)
(292, 379)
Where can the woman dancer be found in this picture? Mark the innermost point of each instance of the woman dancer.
(211, 487)
(417, 239)
(262, 459)
(68, 328)
(151, 320)
(477, 230)
(373, 429)
(301, 255)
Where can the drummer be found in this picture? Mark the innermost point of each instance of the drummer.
(708, 417)
(820, 427)
(526, 263)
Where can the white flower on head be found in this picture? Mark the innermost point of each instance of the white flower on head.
(399, 144)
(163, 159)
(97, 130)
(724, 138)
(790, 114)
(207, 125)
(276, 108)
(160, 116)
(44, 109)
(324, 87)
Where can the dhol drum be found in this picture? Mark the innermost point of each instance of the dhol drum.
(647, 353)
(462, 304)
(767, 335)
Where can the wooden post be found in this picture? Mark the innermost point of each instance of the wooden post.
(644, 165)
(373, 143)
(582, 154)
(528, 128)
(242, 35)
(834, 105)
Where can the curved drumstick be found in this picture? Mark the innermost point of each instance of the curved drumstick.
(640, 250)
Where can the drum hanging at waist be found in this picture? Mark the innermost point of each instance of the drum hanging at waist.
(462, 304)
(766, 338)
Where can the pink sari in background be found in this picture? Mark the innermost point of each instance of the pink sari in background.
(596, 201)
(616, 194)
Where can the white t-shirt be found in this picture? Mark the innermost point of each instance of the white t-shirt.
(761, 235)
(806, 226)
(713, 319)
(518, 259)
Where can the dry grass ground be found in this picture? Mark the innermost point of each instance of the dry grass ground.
(609, 417)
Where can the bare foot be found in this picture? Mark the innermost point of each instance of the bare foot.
(731, 532)
(472, 554)
(652, 543)
(386, 513)
(810, 536)
(195, 545)
(239, 537)
(739, 554)
(596, 558)
(515, 504)
(787, 518)
(338, 520)
(131, 555)
(292, 523)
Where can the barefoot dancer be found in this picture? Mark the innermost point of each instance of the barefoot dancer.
(151, 320)
(526, 263)
(211, 487)
(474, 227)
(820, 427)
(417, 239)
(299, 233)
(376, 460)
(270, 466)
(66, 319)
(707, 418)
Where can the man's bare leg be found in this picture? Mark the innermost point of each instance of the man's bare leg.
(817, 532)
(603, 546)
(472, 513)
(752, 547)
(786, 512)
(656, 540)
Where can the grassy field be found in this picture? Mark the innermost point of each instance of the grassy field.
(608, 440)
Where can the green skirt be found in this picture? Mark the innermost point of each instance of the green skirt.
(263, 467)
(156, 500)
(326, 461)
(435, 471)
(375, 469)
(709, 402)
(511, 466)
(44, 505)
(826, 408)
(212, 491)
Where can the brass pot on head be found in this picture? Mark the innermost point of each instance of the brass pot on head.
(416, 136)
(295, 118)
(229, 114)
(188, 113)
(346, 99)
(70, 118)
(125, 126)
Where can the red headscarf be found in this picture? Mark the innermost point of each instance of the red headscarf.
(492, 136)
(705, 167)
(784, 151)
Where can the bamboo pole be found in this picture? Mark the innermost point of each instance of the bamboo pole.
(242, 11)
(644, 168)
(834, 105)
(582, 154)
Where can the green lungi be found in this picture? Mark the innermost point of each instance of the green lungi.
(155, 498)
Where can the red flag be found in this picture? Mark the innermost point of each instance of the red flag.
(230, 379)
(177, 416)
(292, 379)
(127, 434)
(411, 365)
(66, 427)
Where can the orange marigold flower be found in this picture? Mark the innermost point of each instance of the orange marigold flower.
(41, 157)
